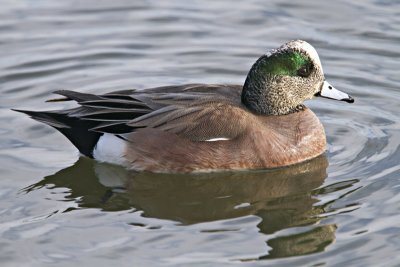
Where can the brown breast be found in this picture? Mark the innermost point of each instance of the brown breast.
(268, 142)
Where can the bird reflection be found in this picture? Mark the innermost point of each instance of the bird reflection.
(282, 198)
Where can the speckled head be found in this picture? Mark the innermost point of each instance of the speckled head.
(281, 80)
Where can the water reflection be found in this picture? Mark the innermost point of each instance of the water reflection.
(282, 198)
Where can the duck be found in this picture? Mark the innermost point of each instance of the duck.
(262, 124)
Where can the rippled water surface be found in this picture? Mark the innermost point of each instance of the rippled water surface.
(57, 208)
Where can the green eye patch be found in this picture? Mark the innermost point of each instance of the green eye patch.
(288, 63)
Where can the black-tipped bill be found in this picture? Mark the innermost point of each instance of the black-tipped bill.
(328, 91)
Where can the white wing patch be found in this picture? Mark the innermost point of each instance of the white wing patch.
(217, 139)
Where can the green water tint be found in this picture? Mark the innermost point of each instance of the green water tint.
(281, 198)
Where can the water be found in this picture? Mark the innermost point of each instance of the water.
(57, 208)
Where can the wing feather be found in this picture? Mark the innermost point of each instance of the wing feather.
(195, 111)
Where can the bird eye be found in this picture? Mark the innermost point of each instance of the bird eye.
(305, 70)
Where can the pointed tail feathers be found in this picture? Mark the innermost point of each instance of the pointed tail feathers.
(77, 131)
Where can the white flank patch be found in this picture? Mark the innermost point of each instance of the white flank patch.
(217, 139)
(110, 149)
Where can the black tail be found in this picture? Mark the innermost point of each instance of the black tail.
(96, 115)
(76, 130)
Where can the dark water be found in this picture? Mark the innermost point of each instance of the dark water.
(59, 209)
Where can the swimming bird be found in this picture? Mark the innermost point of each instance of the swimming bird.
(201, 127)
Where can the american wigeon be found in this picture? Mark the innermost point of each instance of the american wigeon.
(201, 127)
